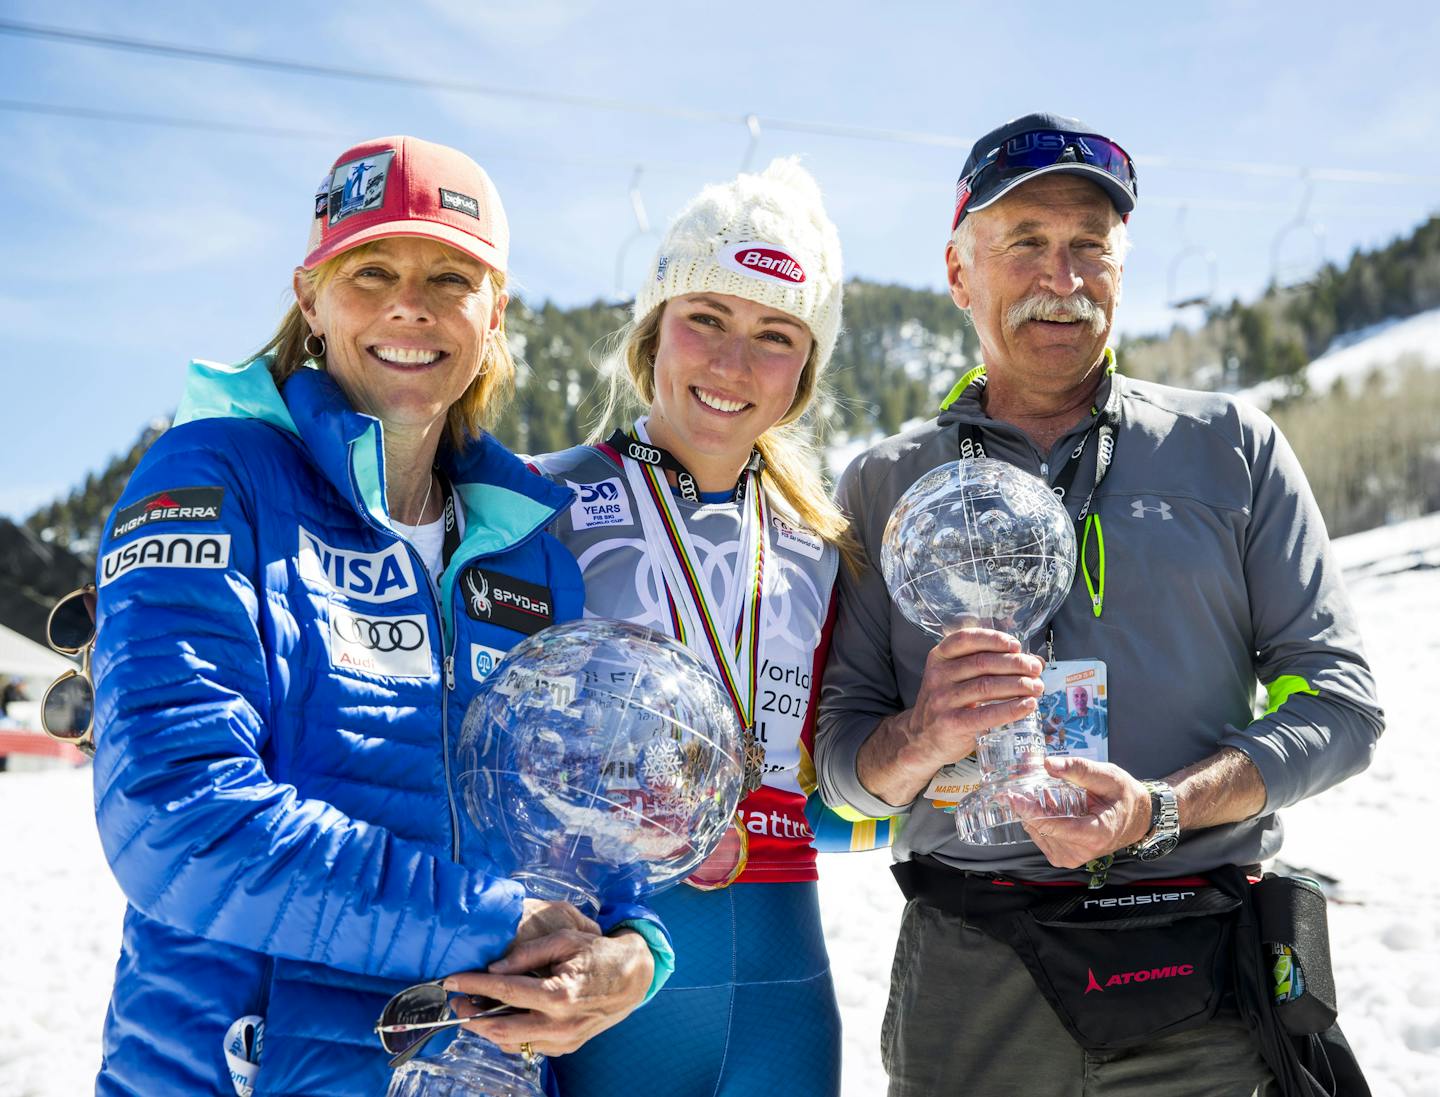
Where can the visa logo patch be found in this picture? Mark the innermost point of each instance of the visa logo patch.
(602, 504)
(369, 576)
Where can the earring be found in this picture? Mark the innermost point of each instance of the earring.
(313, 353)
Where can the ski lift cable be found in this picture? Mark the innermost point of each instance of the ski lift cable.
(829, 129)
(61, 110)
(171, 121)
(1245, 205)
(1287, 171)
(376, 76)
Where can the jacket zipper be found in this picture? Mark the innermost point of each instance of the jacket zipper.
(449, 666)
(447, 672)
(447, 662)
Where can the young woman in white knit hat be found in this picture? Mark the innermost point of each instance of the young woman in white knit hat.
(706, 518)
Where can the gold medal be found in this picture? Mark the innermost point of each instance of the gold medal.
(754, 760)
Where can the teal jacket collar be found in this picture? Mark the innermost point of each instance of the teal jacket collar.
(505, 502)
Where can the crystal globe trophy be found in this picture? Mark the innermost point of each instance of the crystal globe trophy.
(979, 543)
(600, 759)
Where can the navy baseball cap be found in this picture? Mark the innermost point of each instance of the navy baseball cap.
(1041, 144)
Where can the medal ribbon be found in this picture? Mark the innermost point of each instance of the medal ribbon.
(734, 651)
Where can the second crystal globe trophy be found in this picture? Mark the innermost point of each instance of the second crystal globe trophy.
(601, 760)
(979, 543)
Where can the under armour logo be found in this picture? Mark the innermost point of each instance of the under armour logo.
(1138, 509)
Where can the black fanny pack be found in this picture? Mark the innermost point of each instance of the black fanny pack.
(1120, 965)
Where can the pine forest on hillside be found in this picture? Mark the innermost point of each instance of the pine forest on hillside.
(1370, 459)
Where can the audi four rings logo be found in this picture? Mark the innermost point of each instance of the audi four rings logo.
(649, 454)
(381, 633)
(394, 646)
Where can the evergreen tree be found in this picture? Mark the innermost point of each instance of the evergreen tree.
(902, 349)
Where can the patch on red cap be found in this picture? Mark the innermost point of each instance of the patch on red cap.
(359, 185)
(757, 259)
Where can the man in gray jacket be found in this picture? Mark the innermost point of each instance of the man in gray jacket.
(1205, 568)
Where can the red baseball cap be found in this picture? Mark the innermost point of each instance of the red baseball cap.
(403, 186)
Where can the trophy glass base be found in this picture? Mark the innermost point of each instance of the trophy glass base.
(555, 887)
(1014, 786)
(469, 1067)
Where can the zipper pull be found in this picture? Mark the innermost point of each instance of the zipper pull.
(449, 665)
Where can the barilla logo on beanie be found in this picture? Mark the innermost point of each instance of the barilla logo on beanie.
(758, 259)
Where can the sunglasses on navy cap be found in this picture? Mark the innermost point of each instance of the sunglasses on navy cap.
(1024, 154)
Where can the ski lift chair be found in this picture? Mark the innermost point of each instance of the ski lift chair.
(1298, 273)
(642, 229)
(1186, 257)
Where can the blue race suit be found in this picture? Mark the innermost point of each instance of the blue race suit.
(280, 687)
(752, 1001)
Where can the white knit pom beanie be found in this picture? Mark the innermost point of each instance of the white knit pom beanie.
(764, 237)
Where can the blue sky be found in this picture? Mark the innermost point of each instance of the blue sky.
(130, 248)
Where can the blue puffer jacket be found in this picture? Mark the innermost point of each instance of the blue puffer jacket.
(279, 695)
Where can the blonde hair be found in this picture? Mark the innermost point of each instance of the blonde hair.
(478, 407)
(791, 462)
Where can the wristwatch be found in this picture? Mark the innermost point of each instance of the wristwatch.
(1164, 834)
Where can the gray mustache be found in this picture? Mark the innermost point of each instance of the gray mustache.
(1047, 306)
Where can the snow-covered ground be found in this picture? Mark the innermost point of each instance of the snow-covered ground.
(60, 910)
(1355, 355)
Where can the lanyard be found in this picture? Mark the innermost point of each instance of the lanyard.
(732, 637)
(452, 525)
(649, 454)
(1105, 425)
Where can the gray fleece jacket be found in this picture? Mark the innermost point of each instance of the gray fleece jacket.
(1218, 573)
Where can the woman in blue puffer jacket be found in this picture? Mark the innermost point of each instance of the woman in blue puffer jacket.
(285, 656)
